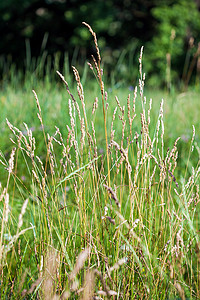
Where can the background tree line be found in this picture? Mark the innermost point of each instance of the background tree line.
(169, 30)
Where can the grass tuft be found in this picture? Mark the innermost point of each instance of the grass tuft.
(104, 210)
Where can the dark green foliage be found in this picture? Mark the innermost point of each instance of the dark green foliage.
(178, 22)
(28, 28)
(37, 30)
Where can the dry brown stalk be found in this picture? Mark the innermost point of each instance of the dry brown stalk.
(99, 75)
(51, 264)
(113, 195)
(11, 161)
(95, 39)
(89, 282)
(79, 263)
(180, 290)
(23, 210)
(95, 105)
(71, 95)
(82, 140)
(106, 290)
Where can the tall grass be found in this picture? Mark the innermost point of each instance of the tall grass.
(91, 221)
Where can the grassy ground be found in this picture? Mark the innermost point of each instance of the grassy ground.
(105, 204)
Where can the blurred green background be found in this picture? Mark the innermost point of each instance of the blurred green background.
(41, 33)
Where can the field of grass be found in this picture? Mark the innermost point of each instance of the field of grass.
(99, 194)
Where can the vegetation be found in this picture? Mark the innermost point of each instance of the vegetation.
(168, 29)
(106, 205)
(175, 47)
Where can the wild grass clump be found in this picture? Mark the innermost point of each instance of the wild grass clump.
(116, 221)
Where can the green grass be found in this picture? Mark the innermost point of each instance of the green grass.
(18, 106)
(81, 234)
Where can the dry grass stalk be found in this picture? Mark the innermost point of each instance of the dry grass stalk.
(80, 94)
(95, 105)
(94, 139)
(180, 290)
(79, 87)
(118, 103)
(117, 265)
(82, 140)
(23, 210)
(112, 126)
(79, 263)
(11, 161)
(113, 195)
(50, 152)
(95, 39)
(3, 194)
(49, 274)
(99, 75)
(140, 60)
(106, 290)
(33, 286)
(88, 287)
(124, 153)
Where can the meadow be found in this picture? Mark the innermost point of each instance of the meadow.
(99, 194)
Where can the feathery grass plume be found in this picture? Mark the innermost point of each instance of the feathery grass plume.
(49, 274)
(130, 119)
(118, 103)
(180, 290)
(124, 153)
(40, 162)
(6, 208)
(82, 139)
(94, 139)
(95, 39)
(113, 195)
(116, 266)
(129, 110)
(106, 290)
(3, 194)
(79, 87)
(73, 141)
(23, 210)
(11, 161)
(95, 105)
(112, 132)
(123, 131)
(71, 95)
(152, 176)
(99, 75)
(79, 263)
(140, 60)
(193, 135)
(37, 179)
(39, 114)
(74, 284)
(88, 287)
(50, 152)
